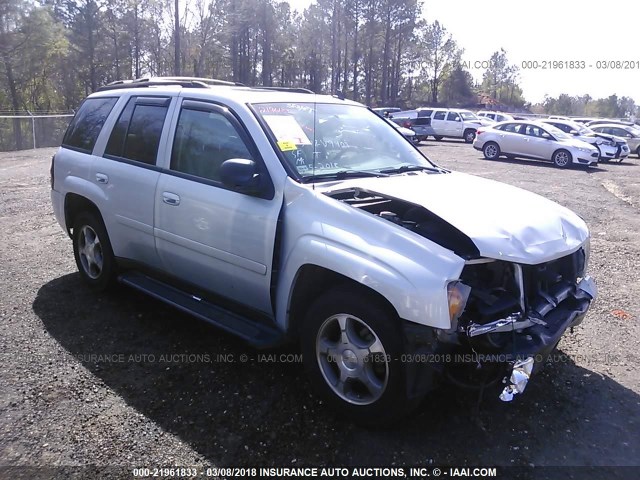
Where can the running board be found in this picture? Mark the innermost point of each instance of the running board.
(257, 334)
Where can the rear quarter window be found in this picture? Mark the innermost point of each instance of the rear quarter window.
(85, 127)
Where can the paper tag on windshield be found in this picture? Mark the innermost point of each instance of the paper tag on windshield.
(286, 145)
(287, 129)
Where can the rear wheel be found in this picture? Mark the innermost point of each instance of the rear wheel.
(638, 152)
(438, 137)
(491, 151)
(562, 158)
(351, 346)
(92, 251)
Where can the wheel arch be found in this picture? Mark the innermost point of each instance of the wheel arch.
(74, 204)
(311, 281)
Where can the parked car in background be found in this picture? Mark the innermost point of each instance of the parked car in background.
(420, 125)
(558, 117)
(610, 147)
(497, 116)
(582, 119)
(602, 121)
(630, 133)
(415, 113)
(406, 132)
(534, 140)
(385, 111)
(454, 123)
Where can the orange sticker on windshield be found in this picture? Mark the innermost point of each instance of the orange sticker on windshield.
(287, 145)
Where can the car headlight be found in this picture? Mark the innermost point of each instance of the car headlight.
(457, 296)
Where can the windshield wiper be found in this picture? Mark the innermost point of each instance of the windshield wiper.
(342, 175)
(413, 168)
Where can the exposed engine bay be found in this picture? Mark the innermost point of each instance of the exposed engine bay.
(413, 217)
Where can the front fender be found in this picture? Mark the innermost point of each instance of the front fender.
(416, 293)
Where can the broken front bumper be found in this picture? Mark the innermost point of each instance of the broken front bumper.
(531, 346)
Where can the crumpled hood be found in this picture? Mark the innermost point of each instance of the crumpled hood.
(504, 222)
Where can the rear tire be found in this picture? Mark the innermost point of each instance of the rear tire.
(438, 137)
(562, 158)
(491, 151)
(92, 251)
(351, 347)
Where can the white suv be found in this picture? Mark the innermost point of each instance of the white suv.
(294, 217)
(454, 123)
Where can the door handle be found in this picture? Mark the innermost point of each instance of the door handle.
(170, 199)
(102, 178)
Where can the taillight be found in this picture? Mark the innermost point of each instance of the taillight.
(407, 125)
(478, 132)
(53, 159)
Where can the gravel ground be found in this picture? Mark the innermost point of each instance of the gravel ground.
(121, 380)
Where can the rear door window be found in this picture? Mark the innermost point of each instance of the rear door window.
(440, 115)
(136, 135)
(85, 127)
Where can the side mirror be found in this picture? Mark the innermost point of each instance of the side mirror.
(241, 175)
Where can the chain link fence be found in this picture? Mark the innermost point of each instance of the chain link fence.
(26, 131)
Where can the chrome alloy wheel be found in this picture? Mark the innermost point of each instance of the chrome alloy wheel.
(352, 359)
(561, 158)
(491, 151)
(90, 251)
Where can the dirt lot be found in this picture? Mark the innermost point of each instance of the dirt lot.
(120, 379)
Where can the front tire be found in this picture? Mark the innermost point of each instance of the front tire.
(92, 251)
(491, 151)
(438, 137)
(351, 346)
(562, 158)
(469, 136)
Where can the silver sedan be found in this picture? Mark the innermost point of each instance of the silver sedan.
(533, 140)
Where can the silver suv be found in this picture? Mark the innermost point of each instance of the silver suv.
(295, 217)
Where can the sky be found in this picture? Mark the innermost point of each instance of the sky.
(547, 31)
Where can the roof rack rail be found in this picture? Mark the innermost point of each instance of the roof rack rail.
(287, 89)
(208, 81)
(187, 82)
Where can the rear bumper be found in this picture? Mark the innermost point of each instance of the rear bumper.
(57, 202)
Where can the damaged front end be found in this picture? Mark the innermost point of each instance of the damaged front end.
(515, 315)
(506, 316)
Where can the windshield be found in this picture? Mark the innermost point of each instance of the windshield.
(319, 140)
(468, 116)
(556, 132)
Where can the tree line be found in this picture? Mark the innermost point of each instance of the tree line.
(380, 52)
(376, 51)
